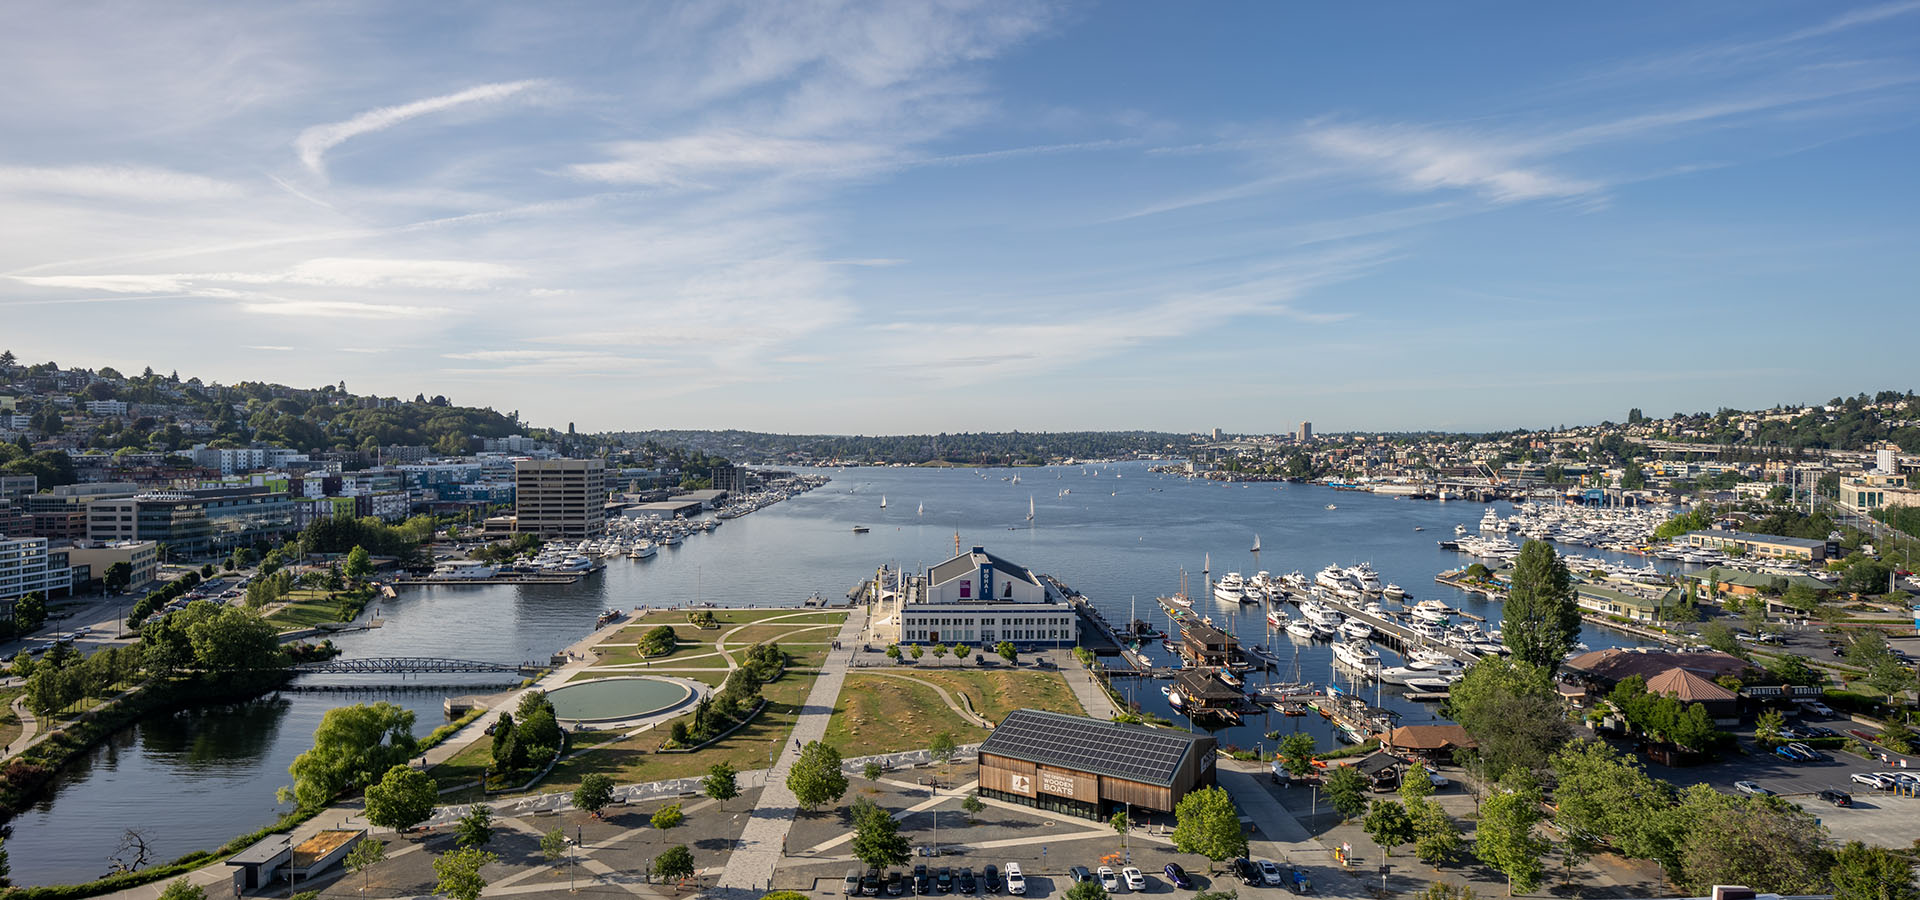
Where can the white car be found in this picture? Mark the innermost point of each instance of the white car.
(1016, 882)
(1107, 878)
(1818, 708)
(1436, 779)
(1270, 874)
(1135, 881)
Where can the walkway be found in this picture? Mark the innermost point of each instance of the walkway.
(1281, 837)
(29, 728)
(965, 711)
(763, 844)
(1093, 698)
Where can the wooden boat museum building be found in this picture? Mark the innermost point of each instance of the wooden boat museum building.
(1091, 768)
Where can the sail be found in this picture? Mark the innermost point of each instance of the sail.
(1256, 543)
(1029, 507)
(883, 501)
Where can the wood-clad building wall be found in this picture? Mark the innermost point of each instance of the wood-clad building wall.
(1030, 780)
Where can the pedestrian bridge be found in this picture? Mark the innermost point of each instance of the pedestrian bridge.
(409, 665)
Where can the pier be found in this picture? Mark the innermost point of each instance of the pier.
(1399, 638)
(497, 579)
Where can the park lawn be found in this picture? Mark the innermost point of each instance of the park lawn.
(805, 657)
(877, 714)
(780, 632)
(683, 655)
(10, 727)
(996, 692)
(305, 609)
(633, 760)
(799, 616)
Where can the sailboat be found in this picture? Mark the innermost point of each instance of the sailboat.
(922, 510)
(1256, 543)
(883, 501)
(1029, 507)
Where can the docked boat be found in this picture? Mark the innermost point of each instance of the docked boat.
(1260, 654)
(1431, 611)
(1363, 576)
(1393, 592)
(643, 550)
(1276, 617)
(1330, 578)
(463, 570)
(1301, 628)
(1357, 655)
(1231, 588)
(1356, 630)
(1429, 684)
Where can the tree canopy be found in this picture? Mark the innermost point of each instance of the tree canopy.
(1540, 620)
(353, 746)
(1511, 711)
(815, 778)
(1207, 823)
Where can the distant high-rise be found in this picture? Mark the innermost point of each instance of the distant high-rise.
(1216, 434)
(1305, 433)
(560, 497)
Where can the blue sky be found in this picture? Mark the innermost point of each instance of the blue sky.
(972, 216)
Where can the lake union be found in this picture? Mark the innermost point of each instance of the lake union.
(1118, 533)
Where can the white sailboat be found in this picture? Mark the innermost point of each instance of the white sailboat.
(1029, 507)
(883, 501)
(923, 509)
(1256, 542)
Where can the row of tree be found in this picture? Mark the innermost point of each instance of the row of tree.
(530, 743)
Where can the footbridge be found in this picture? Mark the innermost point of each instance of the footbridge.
(411, 665)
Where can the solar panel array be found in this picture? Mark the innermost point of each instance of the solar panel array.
(1088, 745)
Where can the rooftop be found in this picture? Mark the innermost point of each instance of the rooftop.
(1686, 686)
(1133, 752)
(1750, 537)
(972, 560)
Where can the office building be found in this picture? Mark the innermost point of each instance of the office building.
(141, 557)
(27, 565)
(1305, 433)
(565, 498)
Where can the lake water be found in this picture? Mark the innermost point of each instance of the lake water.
(1120, 534)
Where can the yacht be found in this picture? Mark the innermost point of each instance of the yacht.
(1301, 628)
(1430, 684)
(1365, 577)
(1231, 588)
(1330, 578)
(1324, 630)
(1260, 654)
(1431, 611)
(643, 550)
(1276, 617)
(1393, 592)
(1357, 655)
(463, 570)
(1459, 530)
(1356, 630)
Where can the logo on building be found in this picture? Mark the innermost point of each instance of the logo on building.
(1020, 784)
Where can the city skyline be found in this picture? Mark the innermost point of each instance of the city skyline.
(969, 217)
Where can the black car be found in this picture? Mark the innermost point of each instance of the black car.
(1247, 872)
(967, 883)
(1079, 874)
(1178, 876)
(922, 881)
(990, 879)
(896, 885)
(870, 883)
(1837, 798)
(1818, 731)
(943, 880)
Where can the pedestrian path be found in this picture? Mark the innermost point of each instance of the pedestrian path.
(29, 730)
(763, 843)
(1093, 698)
(1281, 837)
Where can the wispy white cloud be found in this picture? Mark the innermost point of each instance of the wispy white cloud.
(314, 142)
(143, 184)
(1425, 160)
(687, 160)
(339, 309)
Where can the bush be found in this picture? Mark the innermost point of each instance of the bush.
(659, 641)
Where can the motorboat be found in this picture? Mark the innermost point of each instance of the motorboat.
(1260, 654)
(1393, 592)
(463, 570)
(1356, 630)
(1330, 578)
(1357, 655)
(1365, 578)
(643, 550)
(1231, 588)
(1301, 628)
(1428, 684)
(1431, 611)
(1277, 617)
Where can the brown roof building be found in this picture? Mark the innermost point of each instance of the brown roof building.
(1428, 740)
(1612, 666)
(1685, 686)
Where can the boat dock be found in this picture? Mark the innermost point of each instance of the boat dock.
(1096, 633)
(497, 579)
(1399, 638)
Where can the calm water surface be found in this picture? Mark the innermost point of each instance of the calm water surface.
(1119, 533)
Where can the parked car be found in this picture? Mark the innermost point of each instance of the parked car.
(943, 880)
(1811, 754)
(1901, 778)
(922, 879)
(870, 883)
(1436, 779)
(1079, 874)
(1108, 880)
(1748, 787)
(1247, 872)
(990, 879)
(852, 887)
(1135, 881)
(1818, 708)
(1837, 798)
(1791, 733)
(1270, 874)
(1789, 754)
(967, 883)
(896, 884)
(1016, 882)
(1871, 780)
(1819, 731)
(1178, 876)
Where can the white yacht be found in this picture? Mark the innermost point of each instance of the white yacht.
(1231, 588)
(463, 570)
(1393, 592)
(1431, 611)
(1357, 655)
(1330, 578)
(1277, 617)
(1365, 578)
(644, 549)
(1356, 630)
(1301, 628)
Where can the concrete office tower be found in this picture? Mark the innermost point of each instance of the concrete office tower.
(560, 497)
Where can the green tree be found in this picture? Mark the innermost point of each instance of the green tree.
(721, 782)
(1436, 839)
(877, 840)
(1767, 725)
(458, 873)
(182, 889)
(594, 793)
(1347, 789)
(1720, 636)
(1506, 841)
(972, 806)
(353, 746)
(1007, 651)
(1891, 677)
(553, 844)
(1509, 708)
(1603, 795)
(916, 652)
(29, 613)
(872, 771)
(893, 652)
(669, 816)
(1296, 753)
(1445, 890)
(939, 651)
(673, 862)
(1118, 823)
(816, 777)
(401, 799)
(232, 639)
(1389, 825)
(1416, 785)
(943, 746)
(1752, 842)
(1861, 872)
(359, 563)
(1087, 890)
(1540, 621)
(365, 854)
(475, 829)
(1228, 894)
(117, 576)
(1207, 823)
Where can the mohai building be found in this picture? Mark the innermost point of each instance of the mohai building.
(976, 598)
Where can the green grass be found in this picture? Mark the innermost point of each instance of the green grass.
(782, 633)
(685, 654)
(996, 692)
(10, 725)
(877, 714)
(305, 609)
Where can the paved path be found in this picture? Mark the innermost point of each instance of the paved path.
(1281, 837)
(762, 845)
(29, 726)
(1093, 698)
(966, 712)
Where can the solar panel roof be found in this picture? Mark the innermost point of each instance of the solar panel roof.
(1133, 752)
